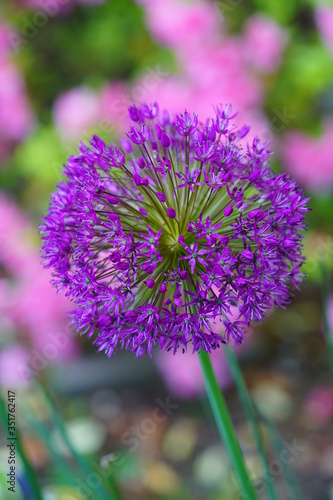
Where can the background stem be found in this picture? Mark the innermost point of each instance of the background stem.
(251, 418)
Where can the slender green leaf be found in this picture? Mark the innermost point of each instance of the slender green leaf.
(30, 472)
(289, 476)
(251, 418)
(106, 488)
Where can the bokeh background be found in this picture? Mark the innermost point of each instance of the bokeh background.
(70, 68)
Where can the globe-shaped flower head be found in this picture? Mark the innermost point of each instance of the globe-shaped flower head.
(155, 240)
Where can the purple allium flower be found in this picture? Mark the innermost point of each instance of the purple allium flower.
(155, 243)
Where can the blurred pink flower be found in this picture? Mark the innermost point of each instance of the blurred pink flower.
(309, 159)
(190, 89)
(78, 110)
(16, 118)
(178, 23)
(318, 406)
(324, 21)
(211, 63)
(259, 125)
(172, 92)
(75, 112)
(15, 252)
(38, 310)
(14, 371)
(222, 62)
(27, 299)
(263, 41)
(114, 100)
(182, 372)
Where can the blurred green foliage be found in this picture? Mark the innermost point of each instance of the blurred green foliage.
(89, 45)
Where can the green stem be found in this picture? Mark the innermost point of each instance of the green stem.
(325, 291)
(69, 470)
(31, 475)
(225, 426)
(251, 418)
(288, 473)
